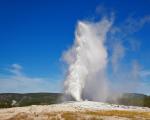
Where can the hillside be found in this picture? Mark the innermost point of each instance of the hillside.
(133, 99)
(16, 100)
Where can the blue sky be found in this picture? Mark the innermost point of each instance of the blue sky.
(34, 34)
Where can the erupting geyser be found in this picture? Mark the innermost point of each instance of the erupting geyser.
(87, 60)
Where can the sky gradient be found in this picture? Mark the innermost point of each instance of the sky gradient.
(35, 33)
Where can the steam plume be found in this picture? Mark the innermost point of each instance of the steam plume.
(87, 60)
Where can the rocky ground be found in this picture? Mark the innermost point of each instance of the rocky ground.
(85, 110)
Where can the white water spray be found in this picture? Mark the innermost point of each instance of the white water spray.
(87, 58)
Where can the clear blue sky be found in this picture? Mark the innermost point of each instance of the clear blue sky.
(34, 33)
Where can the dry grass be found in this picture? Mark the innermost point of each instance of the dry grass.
(121, 113)
(22, 116)
(86, 115)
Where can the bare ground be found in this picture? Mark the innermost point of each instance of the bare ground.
(76, 111)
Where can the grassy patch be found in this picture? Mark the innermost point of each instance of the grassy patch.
(83, 115)
(119, 113)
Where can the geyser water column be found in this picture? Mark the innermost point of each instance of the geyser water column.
(87, 57)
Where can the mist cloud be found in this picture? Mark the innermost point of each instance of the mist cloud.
(87, 60)
(96, 61)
